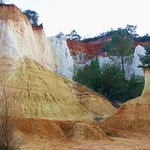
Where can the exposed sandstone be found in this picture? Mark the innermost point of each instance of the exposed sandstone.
(44, 94)
(89, 50)
(53, 107)
(26, 65)
(19, 39)
(93, 101)
(64, 60)
(11, 12)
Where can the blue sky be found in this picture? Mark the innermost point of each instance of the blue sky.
(89, 17)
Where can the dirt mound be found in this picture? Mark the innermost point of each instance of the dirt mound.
(30, 129)
(41, 134)
(82, 131)
(41, 128)
(132, 117)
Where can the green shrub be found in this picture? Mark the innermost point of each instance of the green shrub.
(110, 81)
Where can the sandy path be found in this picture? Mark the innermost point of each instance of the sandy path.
(116, 144)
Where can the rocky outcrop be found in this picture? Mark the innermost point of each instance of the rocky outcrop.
(51, 107)
(43, 94)
(64, 60)
(84, 51)
(139, 50)
(19, 39)
(28, 69)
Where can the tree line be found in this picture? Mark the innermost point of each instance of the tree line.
(110, 79)
(131, 29)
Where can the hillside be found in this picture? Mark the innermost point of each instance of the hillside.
(29, 79)
(132, 118)
(52, 111)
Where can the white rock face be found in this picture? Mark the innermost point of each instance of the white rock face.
(19, 39)
(65, 63)
(104, 60)
(139, 50)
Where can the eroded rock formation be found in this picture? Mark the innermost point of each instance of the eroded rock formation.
(19, 39)
(28, 72)
(84, 51)
(44, 94)
(64, 61)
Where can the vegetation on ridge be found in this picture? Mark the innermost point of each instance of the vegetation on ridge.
(131, 29)
(32, 16)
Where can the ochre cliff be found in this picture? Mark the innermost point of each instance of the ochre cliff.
(89, 50)
(54, 110)
(43, 100)
(93, 49)
(44, 94)
(19, 39)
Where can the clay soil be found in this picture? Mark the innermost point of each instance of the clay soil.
(115, 144)
(37, 134)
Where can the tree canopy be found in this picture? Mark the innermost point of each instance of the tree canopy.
(32, 16)
(109, 81)
(89, 75)
(131, 29)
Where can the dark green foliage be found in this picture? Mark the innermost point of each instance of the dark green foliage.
(32, 16)
(145, 60)
(112, 83)
(89, 75)
(109, 81)
(7, 148)
(135, 86)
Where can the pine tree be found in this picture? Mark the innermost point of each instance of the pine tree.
(32, 16)
(120, 46)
